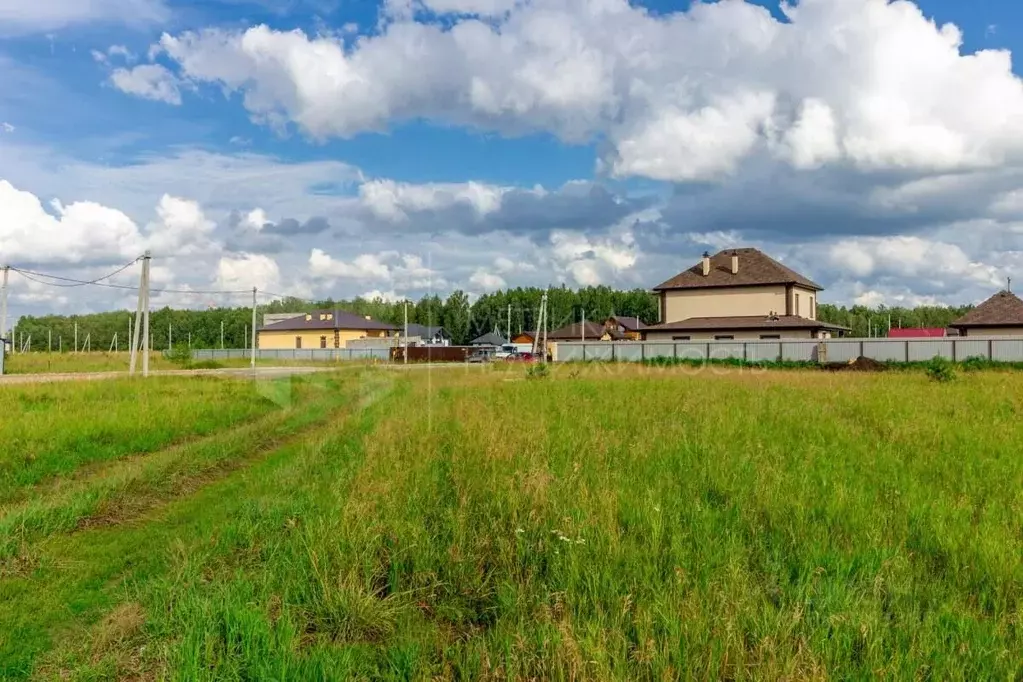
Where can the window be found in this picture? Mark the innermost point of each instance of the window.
(298, 342)
(323, 342)
(770, 336)
(680, 338)
(723, 337)
(797, 305)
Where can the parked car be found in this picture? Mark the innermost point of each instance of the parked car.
(505, 351)
(520, 357)
(479, 356)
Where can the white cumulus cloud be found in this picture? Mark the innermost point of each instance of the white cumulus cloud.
(677, 96)
(393, 201)
(81, 231)
(148, 81)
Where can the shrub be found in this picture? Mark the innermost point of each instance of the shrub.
(976, 363)
(180, 355)
(941, 369)
(538, 371)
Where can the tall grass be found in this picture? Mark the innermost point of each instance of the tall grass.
(480, 526)
(50, 430)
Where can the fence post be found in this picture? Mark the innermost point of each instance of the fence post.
(642, 351)
(707, 358)
(990, 349)
(955, 348)
(745, 352)
(674, 351)
(907, 350)
(861, 348)
(614, 352)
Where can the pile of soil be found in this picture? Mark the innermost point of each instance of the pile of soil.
(860, 364)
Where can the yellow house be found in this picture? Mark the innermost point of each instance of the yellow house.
(738, 294)
(322, 329)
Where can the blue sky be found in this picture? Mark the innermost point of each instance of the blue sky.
(540, 142)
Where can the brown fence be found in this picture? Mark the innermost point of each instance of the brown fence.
(432, 353)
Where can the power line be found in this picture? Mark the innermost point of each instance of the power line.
(33, 276)
(76, 282)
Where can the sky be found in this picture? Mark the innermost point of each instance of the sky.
(395, 148)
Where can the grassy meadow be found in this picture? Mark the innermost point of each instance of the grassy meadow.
(599, 523)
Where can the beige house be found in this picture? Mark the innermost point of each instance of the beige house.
(739, 294)
(321, 329)
(1000, 315)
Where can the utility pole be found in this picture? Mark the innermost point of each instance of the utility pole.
(509, 323)
(76, 336)
(141, 328)
(147, 335)
(253, 328)
(49, 340)
(3, 309)
(129, 337)
(170, 335)
(582, 327)
(405, 354)
(221, 335)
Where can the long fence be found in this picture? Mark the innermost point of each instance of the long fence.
(317, 354)
(998, 349)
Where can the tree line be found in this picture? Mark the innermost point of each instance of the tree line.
(514, 309)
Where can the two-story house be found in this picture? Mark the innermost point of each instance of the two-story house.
(739, 294)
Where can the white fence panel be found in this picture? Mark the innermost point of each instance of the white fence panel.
(691, 351)
(570, 352)
(798, 351)
(659, 350)
(842, 351)
(727, 350)
(629, 351)
(922, 351)
(1007, 350)
(971, 348)
(599, 351)
(889, 350)
(762, 351)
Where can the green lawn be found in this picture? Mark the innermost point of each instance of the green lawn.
(625, 523)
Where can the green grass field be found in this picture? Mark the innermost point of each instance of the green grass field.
(600, 523)
(63, 363)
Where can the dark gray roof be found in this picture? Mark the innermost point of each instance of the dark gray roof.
(631, 324)
(424, 331)
(490, 339)
(340, 319)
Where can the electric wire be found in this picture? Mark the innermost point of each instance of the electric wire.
(34, 276)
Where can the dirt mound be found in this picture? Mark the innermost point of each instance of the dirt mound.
(860, 364)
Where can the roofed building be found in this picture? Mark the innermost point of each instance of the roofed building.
(739, 294)
(585, 331)
(1000, 315)
(631, 327)
(428, 335)
(322, 329)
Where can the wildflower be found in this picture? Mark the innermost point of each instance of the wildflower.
(580, 541)
(519, 531)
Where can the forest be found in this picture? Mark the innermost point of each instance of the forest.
(516, 309)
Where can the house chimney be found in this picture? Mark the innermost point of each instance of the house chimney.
(706, 263)
(735, 262)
